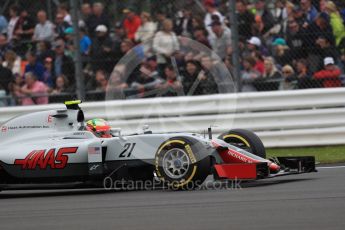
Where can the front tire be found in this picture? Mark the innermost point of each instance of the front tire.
(246, 140)
(182, 163)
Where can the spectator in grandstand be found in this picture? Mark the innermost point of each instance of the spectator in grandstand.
(64, 11)
(60, 25)
(34, 66)
(118, 36)
(116, 84)
(44, 50)
(210, 6)
(4, 45)
(211, 78)
(147, 80)
(322, 5)
(14, 17)
(101, 49)
(229, 64)
(63, 64)
(289, 78)
(245, 20)
(48, 75)
(336, 22)
(200, 35)
(146, 31)
(318, 30)
(266, 16)
(98, 17)
(61, 85)
(85, 41)
(295, 39)
(160, 18)
(119, 33)
(329, 76)
(131, 23)
(33, 91)
(271, 78)
(287, 15)
(101, 80)
(253, 44)
(190, 80)
(304, 79)
(3, 24)
(258, 27)
(183, 25)
(221, 42)
(325, 49)
(15, 87)
(197, 81)
(310, 10)
(280, 11)
(300, 17)
(165, 44)
(249, 74)
(259, 62)
(13, 62)
(198, 22)
(152, 65)
(44, 30)
(282, 54)
(25, 26)
(6, 77)
(69, 42)
(86, 12)
(172, 86)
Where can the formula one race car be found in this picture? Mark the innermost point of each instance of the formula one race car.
(54, 147)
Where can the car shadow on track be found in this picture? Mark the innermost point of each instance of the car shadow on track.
(268, 182)
(15, 194)
(8, 194)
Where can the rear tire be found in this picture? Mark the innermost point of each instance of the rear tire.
(182, 163)
(246, 140)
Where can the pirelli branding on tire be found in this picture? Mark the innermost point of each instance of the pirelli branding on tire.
(176, 163)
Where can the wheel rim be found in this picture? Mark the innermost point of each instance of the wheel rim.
(176, 163)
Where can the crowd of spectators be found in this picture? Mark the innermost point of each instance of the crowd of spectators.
(283, 45)
(295, 45)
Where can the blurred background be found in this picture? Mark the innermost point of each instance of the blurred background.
(55, 50)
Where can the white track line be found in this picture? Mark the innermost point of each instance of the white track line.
(331, 167)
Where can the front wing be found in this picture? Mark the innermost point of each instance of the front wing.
(254, 171)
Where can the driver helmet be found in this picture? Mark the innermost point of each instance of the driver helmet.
(99, 127)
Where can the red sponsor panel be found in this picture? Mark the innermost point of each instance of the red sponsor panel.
(45, 158)
(236, 171)
(232, 156)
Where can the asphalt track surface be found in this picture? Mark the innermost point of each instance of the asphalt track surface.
(308, 201)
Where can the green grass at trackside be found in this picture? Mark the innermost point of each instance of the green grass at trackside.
(327, 154)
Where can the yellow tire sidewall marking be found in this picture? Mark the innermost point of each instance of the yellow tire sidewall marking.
(238, 137)
(190, 154)
(191, 157)
(169, 142)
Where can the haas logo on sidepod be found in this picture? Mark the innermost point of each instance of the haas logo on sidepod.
(44, 158)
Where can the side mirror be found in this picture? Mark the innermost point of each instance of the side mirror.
(117, 132)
